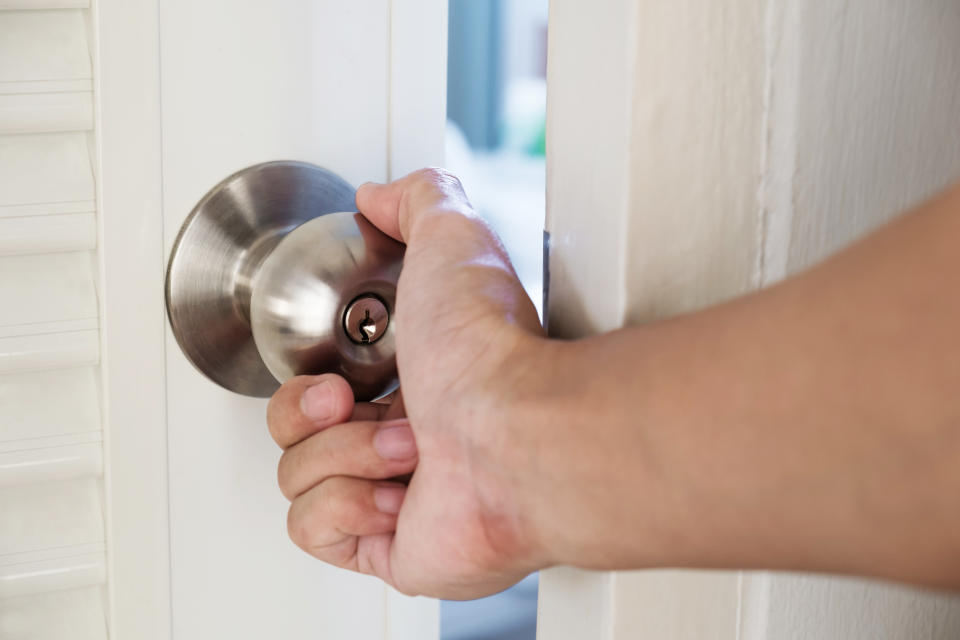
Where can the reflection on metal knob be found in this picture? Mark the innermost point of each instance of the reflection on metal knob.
(274, 276)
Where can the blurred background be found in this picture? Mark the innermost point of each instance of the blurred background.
(496, 124)
(496, 117)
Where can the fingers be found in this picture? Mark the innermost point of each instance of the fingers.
(394, 207)
(362, 449)
(327, 520)
(307, 404)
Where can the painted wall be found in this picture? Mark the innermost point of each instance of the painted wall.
(696, 151)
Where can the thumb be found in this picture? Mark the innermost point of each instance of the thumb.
(396, 207)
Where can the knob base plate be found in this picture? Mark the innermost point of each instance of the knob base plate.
(220, 248)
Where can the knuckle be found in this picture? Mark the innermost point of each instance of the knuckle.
(273, 419)
(278, 412)
(298, 528)
(340, 502)
(286, 473)
(406, 588)
(438, 179)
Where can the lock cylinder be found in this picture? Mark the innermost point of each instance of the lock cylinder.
(273, 275)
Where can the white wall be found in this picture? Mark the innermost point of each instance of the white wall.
(697, 150)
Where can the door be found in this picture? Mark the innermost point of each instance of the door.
(323, 82)
(137, 499)
(724, 147)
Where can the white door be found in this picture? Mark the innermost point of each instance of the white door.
(724, 146)
(137, 499)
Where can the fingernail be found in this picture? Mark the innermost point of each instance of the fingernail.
(389, 499)
(317, 401)
(394, 441)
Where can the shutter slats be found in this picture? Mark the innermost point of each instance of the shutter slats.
(47, 288)
(45, 464)
(79, 615)
(43, 48)
(29, 578)
(52, 549)
(49, 351)
(49, 408)
(50, 515)
(45, 173)
(47, 234)
(45, 78)
(43, 4)
(46, 112)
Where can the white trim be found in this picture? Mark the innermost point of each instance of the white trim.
(633, 191)
(416, 129)
(418, 85)
(125, 49)
(589, 80)
(779, 157)
(573, 603)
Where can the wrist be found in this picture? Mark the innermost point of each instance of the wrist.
(543, 432)
(589, 454)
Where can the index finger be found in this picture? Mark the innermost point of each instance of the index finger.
(393, 207)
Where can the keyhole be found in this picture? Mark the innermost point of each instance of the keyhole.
(365, 319)
(367, 327)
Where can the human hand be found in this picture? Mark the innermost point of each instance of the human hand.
(466, 335)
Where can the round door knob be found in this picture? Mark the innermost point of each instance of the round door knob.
(274, 275)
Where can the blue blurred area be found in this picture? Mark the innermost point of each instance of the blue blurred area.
(509, 615)
(496, 107)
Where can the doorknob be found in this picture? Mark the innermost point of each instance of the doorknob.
(273, 275)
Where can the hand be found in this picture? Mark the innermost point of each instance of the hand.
(466, 335)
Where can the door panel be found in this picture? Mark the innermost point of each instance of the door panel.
(281, 80)
(102, 158)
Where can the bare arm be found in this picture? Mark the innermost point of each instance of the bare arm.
(811, 426)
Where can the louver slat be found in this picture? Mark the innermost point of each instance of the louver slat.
(52, 549)
(78, 614)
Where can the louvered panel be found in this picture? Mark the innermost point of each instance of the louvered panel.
(46, 112)
(49, 408)
(50, 515)
(49, 351)
(49, 316)
(45, 80)
(45, 174)
(52, 550)
(68, 568)
(43, 4)
(43, 464)
(46, 234)
(47, 288)
(43, 52)
(77, 614)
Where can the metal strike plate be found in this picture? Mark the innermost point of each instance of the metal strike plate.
(265, 277)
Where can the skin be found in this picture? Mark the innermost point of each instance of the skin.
(813, 426)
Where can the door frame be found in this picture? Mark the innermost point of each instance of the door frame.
(616, 53)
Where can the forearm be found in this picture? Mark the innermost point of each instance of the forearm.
(814, 426)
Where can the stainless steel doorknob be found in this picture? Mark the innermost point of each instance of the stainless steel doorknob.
(273, 275)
